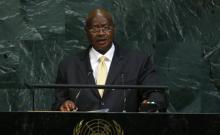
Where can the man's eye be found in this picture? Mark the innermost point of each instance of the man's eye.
(97, 29)
(106, 28)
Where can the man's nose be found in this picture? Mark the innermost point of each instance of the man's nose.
(101, 31)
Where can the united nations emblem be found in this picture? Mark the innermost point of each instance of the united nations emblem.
(98, 127)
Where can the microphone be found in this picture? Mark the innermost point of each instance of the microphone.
(76, 101)
(90, 72)
(79, 91)
(77, 96)
(124, 92)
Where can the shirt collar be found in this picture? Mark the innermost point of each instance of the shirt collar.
(95, 55)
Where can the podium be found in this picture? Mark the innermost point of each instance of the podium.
(84, 123)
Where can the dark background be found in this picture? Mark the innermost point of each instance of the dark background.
(182, 35)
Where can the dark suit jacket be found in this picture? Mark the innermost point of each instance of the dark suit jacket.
(127, 68)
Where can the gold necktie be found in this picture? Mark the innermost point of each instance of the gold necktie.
(102, 74)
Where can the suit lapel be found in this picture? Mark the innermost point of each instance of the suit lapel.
(115, 70)
(116, 67)
(86, 70)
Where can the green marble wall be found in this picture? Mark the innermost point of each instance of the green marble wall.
(183, 36)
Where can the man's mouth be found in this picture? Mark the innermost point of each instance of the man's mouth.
(101, 41)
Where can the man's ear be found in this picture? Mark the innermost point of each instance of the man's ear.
(114, 31)
(86, 29)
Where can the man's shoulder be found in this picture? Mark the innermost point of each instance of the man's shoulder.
(74, 57)
(133, 52)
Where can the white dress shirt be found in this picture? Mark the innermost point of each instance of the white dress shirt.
(94, 59)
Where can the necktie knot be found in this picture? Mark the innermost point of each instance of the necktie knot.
(102, 59)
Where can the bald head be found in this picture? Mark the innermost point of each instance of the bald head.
(98, 12)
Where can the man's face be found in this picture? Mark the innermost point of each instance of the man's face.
(100, 33)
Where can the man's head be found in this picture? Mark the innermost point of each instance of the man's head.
(100, 30)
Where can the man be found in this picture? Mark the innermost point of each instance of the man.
(119, 66)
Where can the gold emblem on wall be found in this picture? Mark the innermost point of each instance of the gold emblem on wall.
(98, 127)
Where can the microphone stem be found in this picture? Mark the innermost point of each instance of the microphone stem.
(124, 93)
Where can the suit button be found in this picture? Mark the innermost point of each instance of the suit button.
(102, 103)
